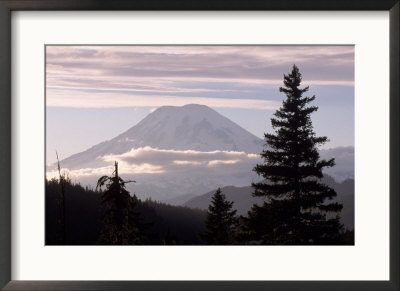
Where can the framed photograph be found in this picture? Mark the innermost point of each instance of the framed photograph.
(158, 146)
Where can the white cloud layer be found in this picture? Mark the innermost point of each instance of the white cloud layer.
(148, 160)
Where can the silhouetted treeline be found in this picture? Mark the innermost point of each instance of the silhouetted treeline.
(82, 214)
(177, 224)
(167, 224)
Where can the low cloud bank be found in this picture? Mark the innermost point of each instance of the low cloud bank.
(148, 160)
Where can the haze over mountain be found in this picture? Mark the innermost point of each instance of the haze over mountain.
(185, 150)
(244, 200)
(344, 162)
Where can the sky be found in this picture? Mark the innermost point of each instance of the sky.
(94, 93)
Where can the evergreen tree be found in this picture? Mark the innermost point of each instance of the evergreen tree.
(121, 223)
(221, 221)
(294, 211)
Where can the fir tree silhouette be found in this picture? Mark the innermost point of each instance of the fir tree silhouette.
(220, 222)
(295, 208)
(121, 223)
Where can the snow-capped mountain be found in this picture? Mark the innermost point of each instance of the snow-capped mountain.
(190, 127)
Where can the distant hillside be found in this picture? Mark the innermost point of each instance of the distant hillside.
(243, 199)
(241, 196)
(344, 162)
(180, 200)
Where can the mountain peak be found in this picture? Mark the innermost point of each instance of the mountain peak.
(183, 109)
(196, 107)
(189, 127)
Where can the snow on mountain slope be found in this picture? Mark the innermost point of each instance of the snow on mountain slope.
(190, 127)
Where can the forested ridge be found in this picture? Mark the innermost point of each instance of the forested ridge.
(168, 224)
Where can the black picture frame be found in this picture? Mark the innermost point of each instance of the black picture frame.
(6, 7)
